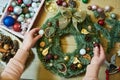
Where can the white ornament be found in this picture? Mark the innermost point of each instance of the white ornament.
(20, 19)
(94, 7)
(31, 9)
(35, 9)
(82, 51)
(100, 10)
(13, 3)
(32, 14)
(27, 2)
(28, 20)
(107, 8)
(23, 5)
(27, 15)
(41, 32)
(17, 10)
(36, 0)
(34, 5)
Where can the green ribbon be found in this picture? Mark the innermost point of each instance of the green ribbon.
(74, 15)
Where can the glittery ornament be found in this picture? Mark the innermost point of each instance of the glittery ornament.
(13, 3)
(8, 21)
(17, 10)
(27, 15)
(20, 19)
(17, 27)
(27, 2)
(10, 9)
(32, 14)
(34, 5)
(35, 0)
(20, 1)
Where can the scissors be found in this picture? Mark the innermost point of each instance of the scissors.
(112, 68)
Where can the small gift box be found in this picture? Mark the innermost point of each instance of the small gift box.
(20, 15)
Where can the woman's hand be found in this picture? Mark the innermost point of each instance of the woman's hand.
(99, 55)
(30, 39)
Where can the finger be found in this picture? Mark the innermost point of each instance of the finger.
(34, 30)
(37, 37)
(102, 53)
(96, 51)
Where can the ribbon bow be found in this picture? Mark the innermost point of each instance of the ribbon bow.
(74, 15)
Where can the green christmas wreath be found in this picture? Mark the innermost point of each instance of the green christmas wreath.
(85, 32)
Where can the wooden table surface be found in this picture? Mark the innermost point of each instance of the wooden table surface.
(36, 71)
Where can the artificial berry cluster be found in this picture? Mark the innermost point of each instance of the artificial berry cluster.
(64, 3)
(101, 13)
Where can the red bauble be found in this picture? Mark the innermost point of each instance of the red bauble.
(20, 1)
(59, 2)
(10, 9)
(101, 22)
(17, 27)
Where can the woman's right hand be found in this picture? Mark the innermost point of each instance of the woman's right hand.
(30, 39)
(99, 55)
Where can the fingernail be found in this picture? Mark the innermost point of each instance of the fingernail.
(41, 32)
(96, 45)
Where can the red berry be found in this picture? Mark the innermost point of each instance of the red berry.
(10, 9)
(101, 22)
(59, 2)
(19, 1)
